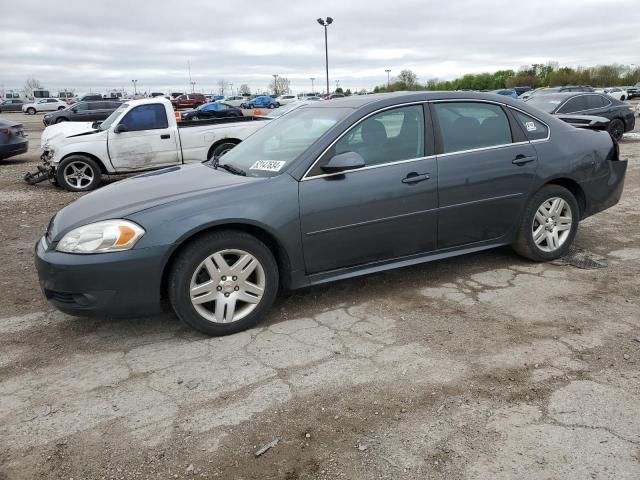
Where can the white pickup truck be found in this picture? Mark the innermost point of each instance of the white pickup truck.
(141, 135)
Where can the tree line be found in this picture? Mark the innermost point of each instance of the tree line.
(536, 75)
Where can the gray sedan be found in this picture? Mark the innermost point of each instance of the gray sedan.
(329, 191)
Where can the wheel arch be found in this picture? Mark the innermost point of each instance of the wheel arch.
(89, 155)
(217, 143)
(574, 187)
(260, 232)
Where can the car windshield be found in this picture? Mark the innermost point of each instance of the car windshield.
(113, 117)
(267, 152)
(545, 103)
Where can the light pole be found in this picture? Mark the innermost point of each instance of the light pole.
(275, 84)
(325, 24)
(388, 77)
(312, 80)
(193, 84)
(135, 90)
(231, 88)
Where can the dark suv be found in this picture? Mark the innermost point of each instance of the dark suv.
(83, 112)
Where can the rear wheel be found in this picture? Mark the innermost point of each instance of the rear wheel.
(222, 149)
(549, 224)
(61, 108)
(616, 128)
(223, 282)
(78, 173)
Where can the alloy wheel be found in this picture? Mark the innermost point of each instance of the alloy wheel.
(552, 224)
(78, 174)
(227, 286)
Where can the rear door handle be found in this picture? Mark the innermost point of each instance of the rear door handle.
(521, 160)
(165, 136)
(414, 177)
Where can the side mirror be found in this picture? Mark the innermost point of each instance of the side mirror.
(120, 128)
(344, 161)
(74, 110)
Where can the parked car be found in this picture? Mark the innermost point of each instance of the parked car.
(531, 93)
(566, 88)
(521, 90)
(634, 91)
(91, 97)
(620, 114)
(83, 112)
(334, 95)
(212, 110)
(140, 135)
(234, 100)
(286, 98)
(508, 92)
(44, 105)
(617, 93)
(312, 98)
(176, 94)
(261, 101)
(329, 191)
(156, 94)
(11, 105)
(191, 100)
(12, 139)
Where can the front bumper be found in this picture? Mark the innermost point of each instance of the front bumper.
(118, 284)
(16, 148)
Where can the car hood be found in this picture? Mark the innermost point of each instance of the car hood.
(124, 198)
(64, 130)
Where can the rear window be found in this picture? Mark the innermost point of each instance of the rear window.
(575, 104)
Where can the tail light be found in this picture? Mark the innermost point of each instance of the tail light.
(616, 148)
(6, 131)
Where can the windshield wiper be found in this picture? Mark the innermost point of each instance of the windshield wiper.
(215, 163)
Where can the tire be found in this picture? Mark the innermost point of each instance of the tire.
(623, 98)
(616, 128)
(31, 111)
(271, 106)
(189, 269)
(80, 165)
(61, 108)
(60, 120)
(221, 149)
(554, 225)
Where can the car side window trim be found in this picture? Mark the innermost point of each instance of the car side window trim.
(370, 167)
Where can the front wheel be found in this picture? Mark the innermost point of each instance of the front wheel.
(616, 128)
(549, 224)
(31, 111)
(61, 119)
(78, 173)
(223, 282)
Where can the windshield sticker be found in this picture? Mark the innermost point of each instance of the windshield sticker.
(531, 127)
(268, 165)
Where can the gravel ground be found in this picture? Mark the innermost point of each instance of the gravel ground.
(479, 367)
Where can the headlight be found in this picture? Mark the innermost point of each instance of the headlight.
(101, 237)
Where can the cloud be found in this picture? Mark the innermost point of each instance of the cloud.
(100, 45)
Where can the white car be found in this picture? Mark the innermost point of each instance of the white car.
(44, 105)
(285, 99)
(617, 93)
(139, 136)
(234, 101)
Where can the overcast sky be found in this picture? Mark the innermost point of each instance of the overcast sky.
(94, 45)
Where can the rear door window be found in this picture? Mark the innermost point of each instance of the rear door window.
(145, 117)
(471, 125)
(575, 104)
(596, 101)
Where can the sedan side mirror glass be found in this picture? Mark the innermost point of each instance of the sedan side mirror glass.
(344, 161)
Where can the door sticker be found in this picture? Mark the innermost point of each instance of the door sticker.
(268, 165)
(531, 127)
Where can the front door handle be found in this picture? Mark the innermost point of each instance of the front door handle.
(414, 177)
(164, 136)
(522, 159)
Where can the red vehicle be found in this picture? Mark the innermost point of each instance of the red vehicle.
(191, 100)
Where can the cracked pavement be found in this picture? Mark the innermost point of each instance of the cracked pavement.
(485, 366)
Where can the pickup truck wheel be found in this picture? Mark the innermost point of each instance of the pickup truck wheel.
(78, 173)
(223, 282)
(616, 128)
(549, 224)
(222, 149)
